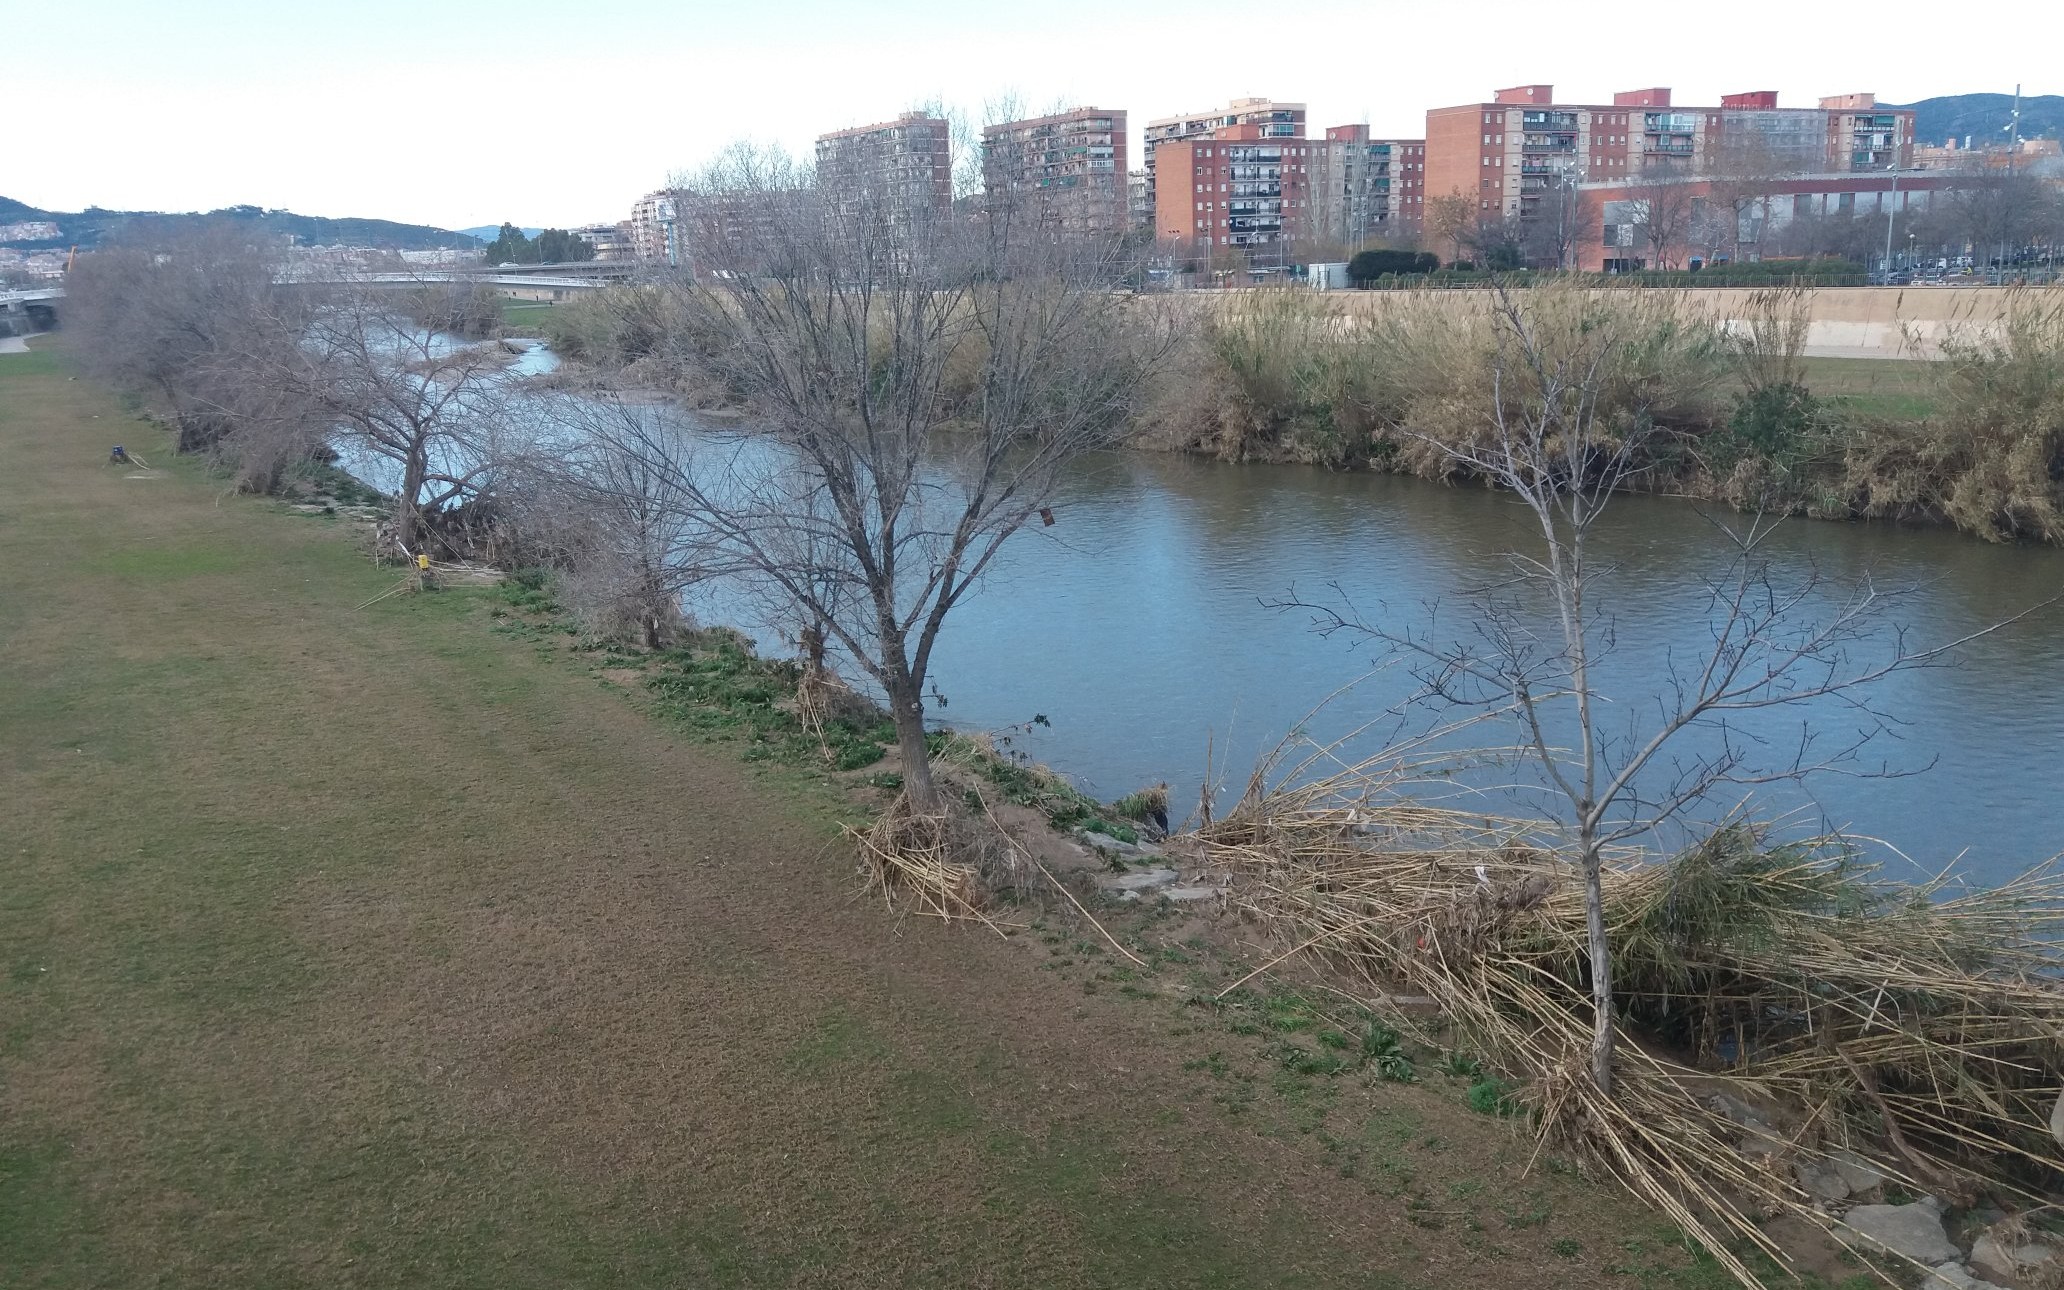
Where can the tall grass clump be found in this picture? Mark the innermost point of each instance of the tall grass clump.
(1919, 1026)
(1441, 378)
(1385, 380)
(612, 326)
(1989, 461)
(1268, 376)
(1779, 439)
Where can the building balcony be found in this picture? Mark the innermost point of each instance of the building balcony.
(1653, 149)
(1548, 120)
(1549, 143)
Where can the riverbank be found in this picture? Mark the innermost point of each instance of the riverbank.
(1734, 402)
(380, 947)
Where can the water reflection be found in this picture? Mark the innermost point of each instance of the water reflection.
(1141, 625)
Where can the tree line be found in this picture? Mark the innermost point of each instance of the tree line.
(550, 246)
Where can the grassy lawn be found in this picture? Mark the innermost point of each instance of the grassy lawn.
(525, 317)
(1893, 388)
(394, 948)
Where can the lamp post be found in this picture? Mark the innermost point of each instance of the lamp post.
(1892, 214)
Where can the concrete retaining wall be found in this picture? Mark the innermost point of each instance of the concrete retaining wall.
(1845, 322)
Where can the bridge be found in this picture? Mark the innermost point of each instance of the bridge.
(32, 310)
(35, 309)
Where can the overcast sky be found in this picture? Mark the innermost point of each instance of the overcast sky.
(563, 113)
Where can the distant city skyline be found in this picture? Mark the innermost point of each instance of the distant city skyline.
(549, 115)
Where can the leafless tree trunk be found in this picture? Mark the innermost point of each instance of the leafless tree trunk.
(1666, 211)
(432, 406)
(1555, 353)
(914, 384)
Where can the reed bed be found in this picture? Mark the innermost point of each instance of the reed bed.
(1776, 1004)
(910, 854)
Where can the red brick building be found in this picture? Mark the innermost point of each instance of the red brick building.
(1507, 153)
(1238, 188)
(1272, 119)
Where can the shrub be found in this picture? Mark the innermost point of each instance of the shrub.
(1367, 266)
(1989, 460)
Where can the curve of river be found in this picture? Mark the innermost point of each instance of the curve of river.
(1141, 625)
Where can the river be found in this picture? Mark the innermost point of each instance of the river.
(1142, 625)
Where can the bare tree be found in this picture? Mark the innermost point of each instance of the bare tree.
(1741, 172)
(913, 388)
(1565, 218)
(2000, 213)
(171, 319)
(1712, 228)
(1553, 445)
(1500, 241)
(1450, 218)
(612, 522)
(428, 404)
(1664, 208)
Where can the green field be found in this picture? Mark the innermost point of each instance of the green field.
(525, 317)
(1895, 389)
(394, 947)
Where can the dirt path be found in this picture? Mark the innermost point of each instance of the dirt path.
(344, 948)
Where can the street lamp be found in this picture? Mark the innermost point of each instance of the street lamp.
(1892, 213)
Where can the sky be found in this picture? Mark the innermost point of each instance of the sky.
(563, 113)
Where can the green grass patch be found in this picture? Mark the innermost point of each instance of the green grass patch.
(1888, 389)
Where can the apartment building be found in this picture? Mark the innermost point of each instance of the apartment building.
(1237, 187)
(1507, 153)
(655, 228)
(1861, 136)
(1274, 121)
(1070, 166)
(611, 241)
(1139, 199)
(905, 164)
(1363, 188)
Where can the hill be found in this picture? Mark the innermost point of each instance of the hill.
(93, 225)
(1984, 117)
(488, 232)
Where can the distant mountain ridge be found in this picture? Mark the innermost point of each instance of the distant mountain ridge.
(1984, 117)
(93, 226)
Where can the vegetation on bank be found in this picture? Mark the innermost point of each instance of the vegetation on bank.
(1974, 440)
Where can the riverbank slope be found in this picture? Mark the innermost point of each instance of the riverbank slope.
(375, 947)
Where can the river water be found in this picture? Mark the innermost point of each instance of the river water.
(1145, 626)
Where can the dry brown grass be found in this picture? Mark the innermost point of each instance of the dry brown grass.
(1919, 1026)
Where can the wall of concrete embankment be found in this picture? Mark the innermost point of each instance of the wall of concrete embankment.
(1843, 322)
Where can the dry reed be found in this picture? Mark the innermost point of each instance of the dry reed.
(911, 854)
(1918, 1026)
